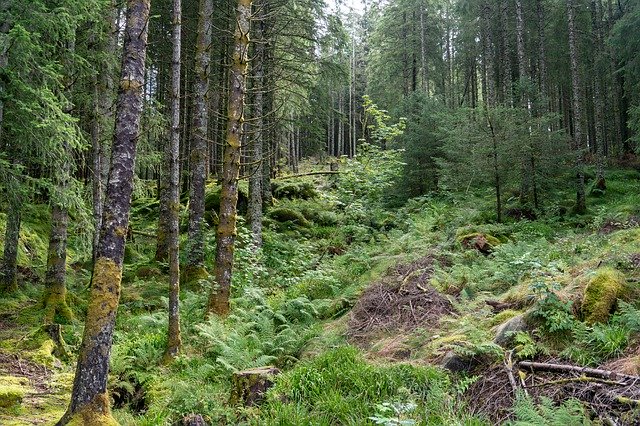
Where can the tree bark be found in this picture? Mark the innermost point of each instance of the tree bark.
(598, 103)
(172, 156)
(219, 299)
(195, 248)
(55, 293)
(103, 97)
(578, 135)
(89, 400)
(257, 141)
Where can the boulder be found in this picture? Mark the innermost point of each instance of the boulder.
(506, 330)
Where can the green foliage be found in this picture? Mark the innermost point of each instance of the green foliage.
(340, 386)
(382, 132)
(528, 413)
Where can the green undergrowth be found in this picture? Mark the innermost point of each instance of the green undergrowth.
(292, 298)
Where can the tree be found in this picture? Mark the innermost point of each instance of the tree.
(226, 233)
(172, 155)
(89, 401)
(195, 256)
(577, 100)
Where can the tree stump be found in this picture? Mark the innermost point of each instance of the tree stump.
(249, 386)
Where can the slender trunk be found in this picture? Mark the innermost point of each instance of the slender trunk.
(542, 54)
(578, 142)
(9, 272)
(507, 86)
(488, 56)
(423, 49)
(55, 292)
(89, 400)
(527, 160)
(496, 169)
(195, 256)
(257, 141)
(219, 299)
(102, 103)
(598, 98)
(174, 340)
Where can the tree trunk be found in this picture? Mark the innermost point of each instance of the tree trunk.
(219, 299)
(55, 289)
(598, 106)
(578, 136)
(257, 141)
(488, 56)
(9, 272)
(103, 100)
(89, 400)
(174, 340)
(194, 267)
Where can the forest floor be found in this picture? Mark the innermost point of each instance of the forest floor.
(412, 315)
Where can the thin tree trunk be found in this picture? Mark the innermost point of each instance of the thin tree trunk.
(423, 49)
(9, 272)
(174, 340)
(598, 98)
(103, 99)
(55, 292)
(578, 136)
(219, 299)
(257, 141)
(89, 400)
(195, 257)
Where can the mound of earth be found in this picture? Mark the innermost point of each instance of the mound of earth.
(401, 301)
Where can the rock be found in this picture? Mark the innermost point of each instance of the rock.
(193, 420)
(249, 386)
(506, 330)
(601, 294)
(458, 363)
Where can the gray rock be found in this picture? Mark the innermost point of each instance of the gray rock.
(506, 330)
(458, 363)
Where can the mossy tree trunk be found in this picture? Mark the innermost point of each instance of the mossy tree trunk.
(257, 141)
(55, 289)
(9, 272)
(576, 83)
(89, 400)
(174, 341)
(195, 246)
(226, 233)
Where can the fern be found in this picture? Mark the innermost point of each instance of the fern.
(527, 413)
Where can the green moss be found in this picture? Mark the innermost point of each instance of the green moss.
(12, 390)
(601, 294)
(502, 317)
(288, 215)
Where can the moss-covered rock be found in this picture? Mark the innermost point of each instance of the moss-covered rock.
(12, 390)
(288, 215)
(212, 200)
(304, 190)
(601, 293)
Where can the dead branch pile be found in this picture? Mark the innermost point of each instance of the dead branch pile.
(612, 397)
(401, 301)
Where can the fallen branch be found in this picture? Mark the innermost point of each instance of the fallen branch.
(628, 401)
(308, 174)
(565, 368)
(581, 379)
(508, 366)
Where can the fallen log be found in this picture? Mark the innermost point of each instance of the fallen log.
(566, 368)
(333, 172)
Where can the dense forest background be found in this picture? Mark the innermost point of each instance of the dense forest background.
(400, 214)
